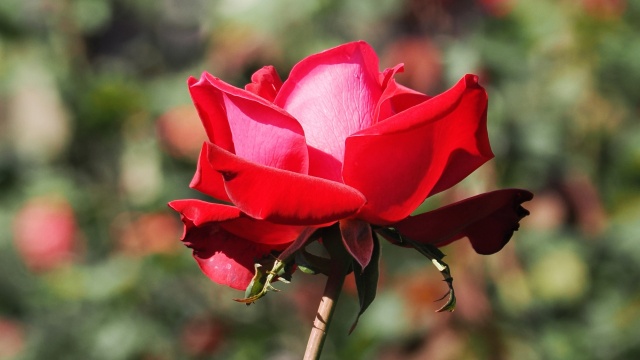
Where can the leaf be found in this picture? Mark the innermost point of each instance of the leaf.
(367, 280)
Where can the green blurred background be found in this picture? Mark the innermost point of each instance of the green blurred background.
(97, 133)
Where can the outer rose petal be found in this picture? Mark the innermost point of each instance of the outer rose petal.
(235, 118)
(333, 94)
(282, 196)
(265, 83)
(211, 113)
(235, 222)
(225, 258)
(488, 220)
(218, 236)
(261, 231)
(423, 150)
(206, 179)
(199, 212)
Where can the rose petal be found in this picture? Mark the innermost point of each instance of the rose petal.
(206, 179)
(397, 98)
(199, 212)
(249, 126)
(358, 240)
(332, 94)
(488, 220)
(389, 73)
(261, 231)
(225, 243)
(225, 258)
(416, 153)
(235, 222)
(211, 112)
(281, 196)
(265, 83)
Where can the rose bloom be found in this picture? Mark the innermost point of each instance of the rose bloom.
(338, 141)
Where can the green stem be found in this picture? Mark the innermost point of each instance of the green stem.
(339, 268)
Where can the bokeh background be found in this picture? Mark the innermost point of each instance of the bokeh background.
(97, 133)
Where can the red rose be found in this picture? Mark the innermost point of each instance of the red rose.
(337, 141)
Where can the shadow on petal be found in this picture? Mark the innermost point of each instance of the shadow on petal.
(225, 258)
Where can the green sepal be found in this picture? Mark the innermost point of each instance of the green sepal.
(312, 264)
(451, 302)
(261, 282)
(367, 280)
(307, 270)
(391, 234)
(432, 253)
(285, 273)
(257, 282)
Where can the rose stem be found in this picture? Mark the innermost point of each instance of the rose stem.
(339, 267)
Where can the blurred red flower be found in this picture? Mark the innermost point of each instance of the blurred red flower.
(203, 336)
(180, 133)
(45, 233)
(145, 234)
(337, 141)
(12, 338)
(423, 61)
(605, 9)
(497, 8)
